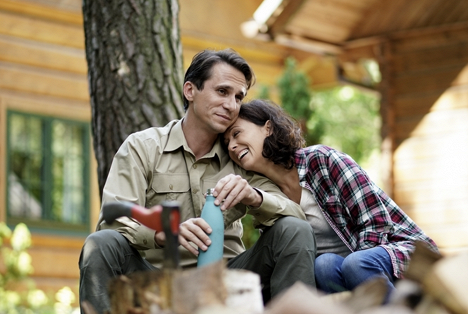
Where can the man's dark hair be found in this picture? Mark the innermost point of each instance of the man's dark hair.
(285, 133)
(202, 63)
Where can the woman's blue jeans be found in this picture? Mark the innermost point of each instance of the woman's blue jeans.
(334, 273)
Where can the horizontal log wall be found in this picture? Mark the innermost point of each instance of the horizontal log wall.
(429, 92)
(43, 71)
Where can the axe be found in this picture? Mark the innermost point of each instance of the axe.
(165, 217)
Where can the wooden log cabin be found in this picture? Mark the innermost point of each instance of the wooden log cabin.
(420, 45)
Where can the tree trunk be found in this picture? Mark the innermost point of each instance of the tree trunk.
(135, 71)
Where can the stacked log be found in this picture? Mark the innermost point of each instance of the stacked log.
(433, 284)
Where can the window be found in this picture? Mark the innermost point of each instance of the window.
(48, 167)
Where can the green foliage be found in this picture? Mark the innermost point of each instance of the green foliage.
(295, 94)
(250, 233)
(295, 97)
(264, 92)
(350, 121)
(17, 292)
(16, 260)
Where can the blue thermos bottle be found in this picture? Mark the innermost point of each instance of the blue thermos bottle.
(214, 217)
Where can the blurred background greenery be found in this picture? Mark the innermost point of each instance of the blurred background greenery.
(18, 293)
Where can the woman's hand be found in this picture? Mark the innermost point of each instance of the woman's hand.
(233, 189)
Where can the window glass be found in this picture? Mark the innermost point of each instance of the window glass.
(24, 178)
(67, 173)
(47, 172)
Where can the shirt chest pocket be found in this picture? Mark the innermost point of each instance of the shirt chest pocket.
(170, 187)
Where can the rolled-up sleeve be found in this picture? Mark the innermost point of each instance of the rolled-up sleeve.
(275, 204)
(127, 181)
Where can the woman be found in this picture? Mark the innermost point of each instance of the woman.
(360, 231)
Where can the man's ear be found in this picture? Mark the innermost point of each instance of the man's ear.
(268, 127)
(188, 90)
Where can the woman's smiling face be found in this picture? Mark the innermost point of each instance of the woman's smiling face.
(244, 141)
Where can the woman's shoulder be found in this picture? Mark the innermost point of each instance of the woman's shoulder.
(318, 149)
(322, 153)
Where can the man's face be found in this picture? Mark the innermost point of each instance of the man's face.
(216, 106)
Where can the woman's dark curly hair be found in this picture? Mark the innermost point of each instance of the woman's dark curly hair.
(286, 136)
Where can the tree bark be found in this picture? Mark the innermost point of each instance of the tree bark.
(135, 71)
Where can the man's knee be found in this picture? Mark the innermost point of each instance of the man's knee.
(293, 231)
(293, 226)
(101, 243)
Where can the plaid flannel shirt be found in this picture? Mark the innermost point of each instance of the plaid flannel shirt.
(361, 213)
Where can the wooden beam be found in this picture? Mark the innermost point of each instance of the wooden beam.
(41, 30)
(387, 112)
(429, 30)
(41, 11)
(3, 155)
(289, 9)
(424, 31)
(44, 262)
(438, 40)
(45, 105)
(430, 80)
(198, 42)
(313, 46)
(44, 82)
(43, 55)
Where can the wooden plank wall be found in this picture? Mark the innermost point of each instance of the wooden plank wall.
(43, 71)
(429, 105)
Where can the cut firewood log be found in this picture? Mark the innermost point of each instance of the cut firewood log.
(429, 305)
(389, 309)
(408, 293)
(369, 294)
(187, 291)
(302, 299)
(244, 291)
(136, 291)
(446, 282)
(421, 262)
(198, 287)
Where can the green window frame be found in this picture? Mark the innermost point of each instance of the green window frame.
(48, 173)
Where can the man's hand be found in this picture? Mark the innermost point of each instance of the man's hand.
(194, 230)
(233, 189)
(160, 238)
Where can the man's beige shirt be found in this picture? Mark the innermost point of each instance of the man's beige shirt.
(156, 165)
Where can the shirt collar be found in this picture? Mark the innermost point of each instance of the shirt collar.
(176, 139)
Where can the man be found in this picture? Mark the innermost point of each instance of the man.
(180, 162)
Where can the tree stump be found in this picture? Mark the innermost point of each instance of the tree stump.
(186, 291)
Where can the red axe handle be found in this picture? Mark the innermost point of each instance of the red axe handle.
(160, 218)
(149, 217)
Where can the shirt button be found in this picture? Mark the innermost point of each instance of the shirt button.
(194, 166)
(171, 186)
(195, 191)
(145, 241)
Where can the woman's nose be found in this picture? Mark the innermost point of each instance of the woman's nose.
(232, 146)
